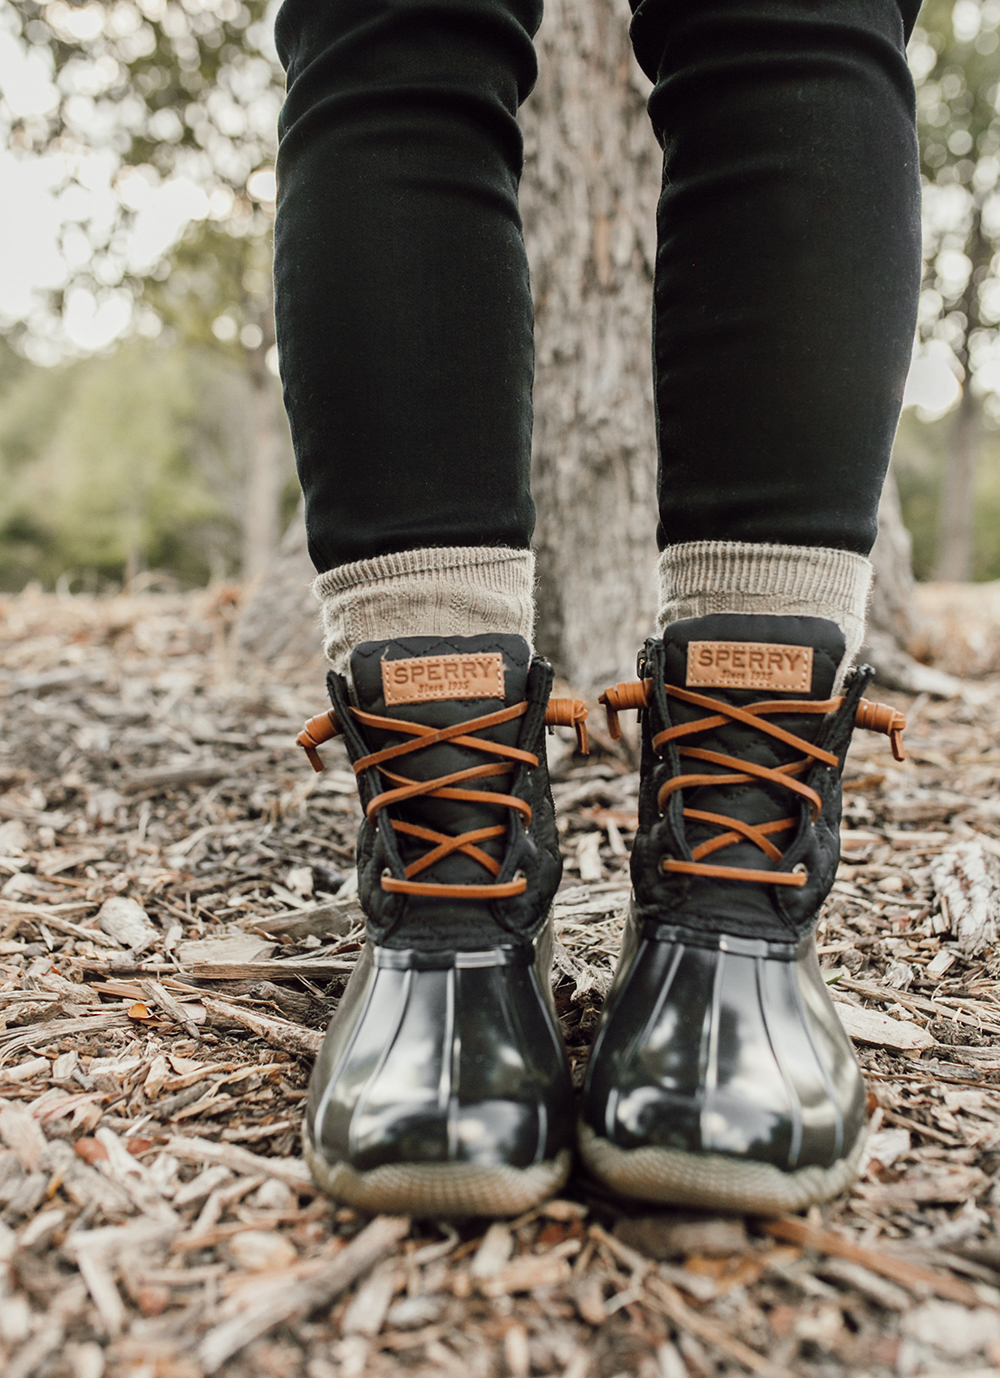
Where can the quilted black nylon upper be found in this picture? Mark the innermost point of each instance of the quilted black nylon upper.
(710, 905)
(396, 920)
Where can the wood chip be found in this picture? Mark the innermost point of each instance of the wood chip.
(526, 1273)
(127, 922)
(177, 1012)
(279, 1032)
(870, 1026)
(912, 1276)
(967, 878)
(239, 949)
(293, 1171)
(21, 1133)
(300, 1297)
(710, 1332)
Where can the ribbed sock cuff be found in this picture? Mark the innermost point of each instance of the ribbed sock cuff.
(451, 591)
(704, 577)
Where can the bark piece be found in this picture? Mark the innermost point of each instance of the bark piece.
(664, 1236)
(167, 778)
(156, 1077)
(278, 1032)
(20, 1132)
(526, 1273)
(333, 920)
(952, 1329)
(368, 1309)
(913, 1276)
(869, 1026)
(493, 1252)
(24, 1071)
(967, 878)
(299, 1297)
(711, 1332)
(241, 1160)
(954, 1186)
(261, 1251)
(240, 948)
(869, 1284)
(127, 922)
(178, 1013)
(201, 1186)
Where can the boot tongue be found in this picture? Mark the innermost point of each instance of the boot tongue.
(438, 682)
(743, 659)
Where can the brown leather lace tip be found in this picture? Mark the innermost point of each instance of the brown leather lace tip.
(570, 713)
(882, 717)
(317, 731)
(620, 699)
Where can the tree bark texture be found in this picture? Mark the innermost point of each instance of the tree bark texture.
(266, 462)
(279, 624)
(892, 614)
(588, 200)
(954, 560)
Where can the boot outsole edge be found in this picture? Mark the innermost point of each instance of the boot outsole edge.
(669, 1176)
(449, 1189)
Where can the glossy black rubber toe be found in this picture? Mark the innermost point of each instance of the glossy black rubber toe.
(731, 1050)
(449, 1062)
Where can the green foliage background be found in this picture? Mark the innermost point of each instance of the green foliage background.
(139, 459)
(111, 466)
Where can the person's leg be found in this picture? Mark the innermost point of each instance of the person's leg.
(785, 300)
(403, 311)
(405, 339)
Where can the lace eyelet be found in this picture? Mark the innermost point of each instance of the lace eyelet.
(800, 869)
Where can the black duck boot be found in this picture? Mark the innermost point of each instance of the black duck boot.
(442, 1085)
(721, 1075)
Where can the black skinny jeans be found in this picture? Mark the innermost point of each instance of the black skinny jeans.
(786, 275)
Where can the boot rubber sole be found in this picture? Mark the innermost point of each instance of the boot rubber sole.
(459, 1189)
(670, 1176)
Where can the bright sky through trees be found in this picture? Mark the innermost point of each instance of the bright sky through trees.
(102, 173)
(86, 214)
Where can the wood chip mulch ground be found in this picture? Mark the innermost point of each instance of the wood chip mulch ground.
(177, 920)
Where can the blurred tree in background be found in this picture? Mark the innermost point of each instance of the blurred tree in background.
(152, 116)
(955, 61)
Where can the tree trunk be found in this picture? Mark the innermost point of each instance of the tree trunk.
(588, 198)
(954, 561)
(265, 468)
(279, 624)
(892, 616)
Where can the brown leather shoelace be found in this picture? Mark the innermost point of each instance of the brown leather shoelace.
(877, 717)
(559, 713)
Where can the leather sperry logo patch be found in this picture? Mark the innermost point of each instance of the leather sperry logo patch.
(749, 665)
(443, 677)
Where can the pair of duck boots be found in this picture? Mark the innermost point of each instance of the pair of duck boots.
(720, 1075)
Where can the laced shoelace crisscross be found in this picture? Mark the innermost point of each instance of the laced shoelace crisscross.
(559, 712)
(877, 717)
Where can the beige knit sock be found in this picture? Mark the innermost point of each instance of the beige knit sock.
(705, 577)
(451, 591)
